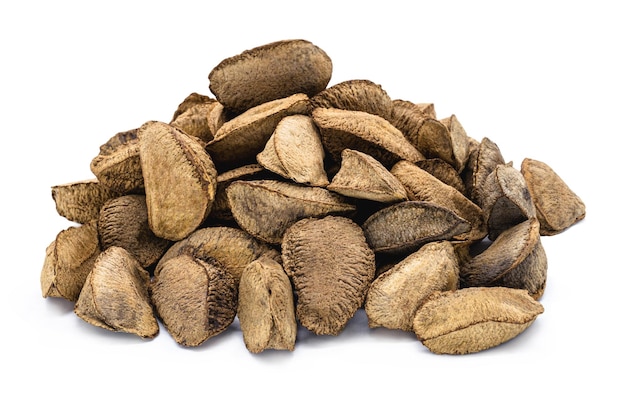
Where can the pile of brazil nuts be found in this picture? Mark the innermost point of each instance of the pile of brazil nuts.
(281, 201)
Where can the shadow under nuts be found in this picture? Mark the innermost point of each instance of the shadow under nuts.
(276, 205)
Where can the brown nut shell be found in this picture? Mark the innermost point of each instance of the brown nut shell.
(118, 166)
(81, 201)
(269, 72)
(358, 95)
(474, 319)
(266, 309)
(331, 267)
(115, 295)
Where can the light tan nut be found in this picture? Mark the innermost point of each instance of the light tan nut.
(69, 259)
(266, 308)
(238, 141)
(474, 319)
(115, 295)
(331, 267)
(270, 72)
(195, 298)
(558, 207)
(486, 159)
(459, 142)
(395, 295)
(361, 176)
(192, 116)
(266, 208)
(180, 180)
(295, 151)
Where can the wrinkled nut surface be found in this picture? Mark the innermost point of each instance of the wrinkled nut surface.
(81, 201)
(292, 203)
(516, 259)
(474, 319)
(394, 296)
(196, 299)
(115, 295)
(180, 180)
(558, 207)
(118, 166)
(69, 260)
(266, 309)
(362, 176)
(295, 151)
(123, 222)
(270, 72)
(266, 208)
(331, 267)
(404, 227)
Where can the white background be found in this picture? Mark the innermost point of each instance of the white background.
(543, 80)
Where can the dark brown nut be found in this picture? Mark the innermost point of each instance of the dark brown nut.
(394, 296)
(474, 319)
(195, 298)
(506, 200)
(266, 208)
(123, 222)
(361, 176)
(270, 72)
(266, 308)
(221, 209)
(239, 140)
(115, 295)
(69, 259)
(516, 259)
(358, 95)
(444, 172)
(192, 116)
(421, 186)
(557, 206)
(364, 132)
(118, 166)
(295, 151)
(180, 180)
(81, 201)
(233, 248)
(487, 158)
(331, 267)
(403, 227)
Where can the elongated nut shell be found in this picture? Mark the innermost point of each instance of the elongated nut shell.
(359, 95)
(270, 72)
(362, 176)
(395, 296)
(365, 132)
(81, 201)
(195, 298)
(558, 207)
(404, 227)
(266, 208)
(266, 309)
(331, 267)
(474, 319)
(115, 296)
(180, 180)
(69, 259)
